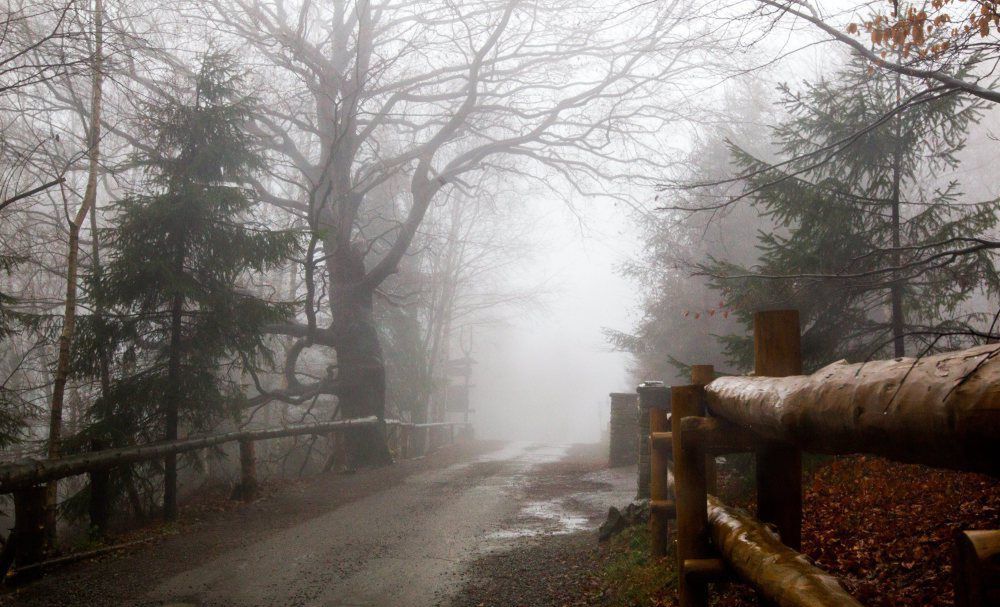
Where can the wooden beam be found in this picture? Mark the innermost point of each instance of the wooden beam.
(667, 507)
(781, 575)
(691, 489)
(717, 436)
(777, 353)
(706, 571)
(977, 568)
(662, 440)
(659, 479)
(702, 375)
(940, 410)
(30, 472)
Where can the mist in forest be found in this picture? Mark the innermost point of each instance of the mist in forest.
(545, 375)
(249, 215)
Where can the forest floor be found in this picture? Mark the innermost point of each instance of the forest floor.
(884, 529)
(211, 525)
(421, 532)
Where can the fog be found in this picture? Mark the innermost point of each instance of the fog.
(546, 375)
(253, 215)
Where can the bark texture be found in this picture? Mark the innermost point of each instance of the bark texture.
(940, 410)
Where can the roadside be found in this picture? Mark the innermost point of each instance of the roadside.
(552, 556)
(213, 525)
(475, 524)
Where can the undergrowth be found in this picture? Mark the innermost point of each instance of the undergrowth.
(632, 577)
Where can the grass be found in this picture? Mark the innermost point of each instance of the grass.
(632, 577)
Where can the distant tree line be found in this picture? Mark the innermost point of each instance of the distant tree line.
(243, 212)
(861, 224)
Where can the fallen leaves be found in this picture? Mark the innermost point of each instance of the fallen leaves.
(885, 528)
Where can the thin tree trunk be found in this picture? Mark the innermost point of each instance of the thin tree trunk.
(95, 269)
(896, 289)
(172, 405)
(72, 265)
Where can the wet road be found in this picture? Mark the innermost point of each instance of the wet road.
(405, 545)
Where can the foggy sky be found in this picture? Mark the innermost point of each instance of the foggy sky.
(546, 375)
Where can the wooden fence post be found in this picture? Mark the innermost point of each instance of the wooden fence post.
(691, 501)
(977, 568)
(702, 375)
(29, 525)
(778, 353)
(655, 398)
(642, 438)
(391, 439)
(248, 471)
(100, 494)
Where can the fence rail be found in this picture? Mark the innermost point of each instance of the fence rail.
(26, 478)
(941, 410)
(32, 472)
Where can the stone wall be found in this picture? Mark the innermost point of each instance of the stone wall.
(624, 431)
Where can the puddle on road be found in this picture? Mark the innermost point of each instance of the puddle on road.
(542, 518)
(576, 511)
(567, 513)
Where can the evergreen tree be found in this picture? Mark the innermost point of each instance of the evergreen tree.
(680, 311)
(11, 405)
(870, 246)
(181, 327)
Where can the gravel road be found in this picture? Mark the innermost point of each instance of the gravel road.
(437, 531)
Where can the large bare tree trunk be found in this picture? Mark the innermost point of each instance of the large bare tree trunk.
(72, 265)
(360, 364)
(363, 371)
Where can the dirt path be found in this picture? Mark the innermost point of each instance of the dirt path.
(418, 533)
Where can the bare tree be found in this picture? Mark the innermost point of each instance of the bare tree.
(29, 31)
(73, 253)
(950, 45)
(457, 276)
(404, 102)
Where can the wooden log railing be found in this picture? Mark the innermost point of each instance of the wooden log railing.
(940, 410)
(782, 575)
(32, 472)
(25, 479)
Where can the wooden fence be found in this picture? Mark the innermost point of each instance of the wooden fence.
(26, 479)
(941, 411)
